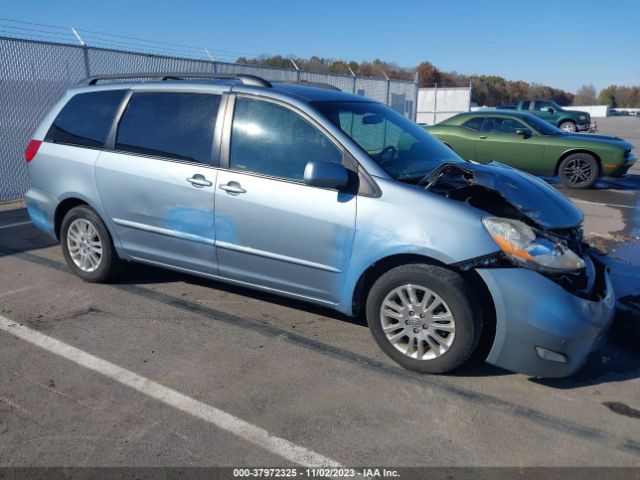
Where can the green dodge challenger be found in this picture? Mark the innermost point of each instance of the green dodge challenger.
(529, 143)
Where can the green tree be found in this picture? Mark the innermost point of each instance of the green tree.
(608, 96)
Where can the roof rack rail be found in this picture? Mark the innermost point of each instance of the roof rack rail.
(328, 86)
(245, 78)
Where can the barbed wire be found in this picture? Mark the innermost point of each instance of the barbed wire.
(92, 38)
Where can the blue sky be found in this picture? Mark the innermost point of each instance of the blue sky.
(562, 43)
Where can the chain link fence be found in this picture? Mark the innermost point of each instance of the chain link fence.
(34, 75)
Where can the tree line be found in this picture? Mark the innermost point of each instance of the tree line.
(613, 95)
(489, 90)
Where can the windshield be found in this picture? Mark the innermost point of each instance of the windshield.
(403, 149)
(542, 127)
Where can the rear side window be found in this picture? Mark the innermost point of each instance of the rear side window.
(525, 105)
(474, 123)
(170, 125)
(86, 119)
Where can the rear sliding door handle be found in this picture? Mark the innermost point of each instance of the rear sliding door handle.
(232, 188)
(199, 181)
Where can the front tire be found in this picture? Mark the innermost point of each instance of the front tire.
(424, 317)
(87, 246)
(579, 170)
(568, 127)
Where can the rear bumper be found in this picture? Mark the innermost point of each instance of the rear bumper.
(533, 311)
(41, 208)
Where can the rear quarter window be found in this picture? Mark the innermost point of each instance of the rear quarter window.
(474, 123)
(86, 119)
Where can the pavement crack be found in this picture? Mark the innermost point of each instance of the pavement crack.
(57, 392)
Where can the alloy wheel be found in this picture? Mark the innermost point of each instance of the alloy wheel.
(578, 171)
(84, 245)
(417, 322)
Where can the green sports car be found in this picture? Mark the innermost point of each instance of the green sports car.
(529, 143)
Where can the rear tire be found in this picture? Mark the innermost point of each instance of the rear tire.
(579, 170)
(425, 317)
(568, 126)
(87, 246)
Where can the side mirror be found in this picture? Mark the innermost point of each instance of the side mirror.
(551, 110)
(325, 175)
(524, 132)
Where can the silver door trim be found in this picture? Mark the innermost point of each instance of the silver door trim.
(164, 231)
(276, 256)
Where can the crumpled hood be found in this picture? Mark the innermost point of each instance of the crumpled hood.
(532, 196)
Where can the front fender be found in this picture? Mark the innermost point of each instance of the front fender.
(566, 118)
(408, 220)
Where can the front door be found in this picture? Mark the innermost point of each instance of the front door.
(499, 141)
(157, 186)
(272, 229)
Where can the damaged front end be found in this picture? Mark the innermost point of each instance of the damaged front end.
(553, 299)
(531, 208)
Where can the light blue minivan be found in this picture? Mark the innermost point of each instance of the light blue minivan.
(326, 197)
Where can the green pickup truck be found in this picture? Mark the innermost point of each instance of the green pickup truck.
(566, 120)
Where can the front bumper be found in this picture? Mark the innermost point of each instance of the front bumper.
(582, 127)
(533, 311)
(619, 170)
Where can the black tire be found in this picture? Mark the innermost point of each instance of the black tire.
(458, 297)
(109, 264)
(568, 126)
(579, 170)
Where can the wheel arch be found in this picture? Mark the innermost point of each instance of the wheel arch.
(577, 150)
(65, 205)
(478, 285)
(566, 119)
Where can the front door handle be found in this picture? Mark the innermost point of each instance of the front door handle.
(232, 188)
(199, 181)
(482, 137)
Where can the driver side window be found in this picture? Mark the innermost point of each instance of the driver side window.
(272, 140)
(501, 125)
(374, 133)
(543, 106)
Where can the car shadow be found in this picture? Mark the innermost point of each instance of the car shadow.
(140, 274)
(629, 182)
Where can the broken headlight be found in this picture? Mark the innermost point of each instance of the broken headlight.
(531, 248)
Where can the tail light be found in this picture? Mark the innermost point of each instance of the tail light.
(32, 149)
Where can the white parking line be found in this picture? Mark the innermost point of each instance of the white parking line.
(613, 205)
(223, 420)
(11, 225)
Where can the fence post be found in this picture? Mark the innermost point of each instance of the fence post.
(353, 76)
(435, 103)
(85, 52)
(388, 87)
(470, 93)
(297, 69)
(416, 80)
(213, 60)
